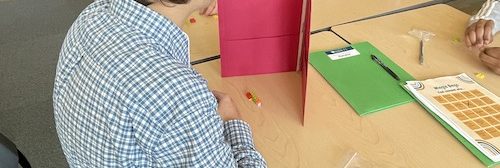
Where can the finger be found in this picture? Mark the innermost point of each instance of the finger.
(487, 59)
(202, 11)
(208, 11)
(210, 8)
(218, 95)
(494, 68)
(493, 52)
(488, 28)
(482, 49)
(472, 38)
(479, 32)
(467, 41)
(215, 9)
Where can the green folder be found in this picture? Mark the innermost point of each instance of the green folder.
(363, 83)
(479, 155)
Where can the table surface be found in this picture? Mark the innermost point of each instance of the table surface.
(404, 136)
(203, 36)
(443, 56)
(331, 12)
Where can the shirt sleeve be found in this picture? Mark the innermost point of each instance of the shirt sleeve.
(237, 133)
(489, 11)
(176, 123)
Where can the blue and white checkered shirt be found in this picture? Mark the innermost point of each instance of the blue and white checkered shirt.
(125, 95)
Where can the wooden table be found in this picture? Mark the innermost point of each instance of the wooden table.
(278, 131)
(331, 12)
(405, 136)
(443, 56)
(427, 142)
(203, 36)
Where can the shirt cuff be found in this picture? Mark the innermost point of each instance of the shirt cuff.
(237, 132)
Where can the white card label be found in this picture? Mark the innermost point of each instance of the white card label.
(342, 53)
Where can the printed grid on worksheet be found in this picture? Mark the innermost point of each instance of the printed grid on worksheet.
(476, 110)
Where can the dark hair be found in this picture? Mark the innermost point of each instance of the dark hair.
(148, 2)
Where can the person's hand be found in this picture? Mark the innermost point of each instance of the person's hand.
(227, 110)
(210, 10)
(479, 34)
(491, 58)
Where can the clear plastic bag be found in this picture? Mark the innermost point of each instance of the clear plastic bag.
(421, 34)
(355, 160)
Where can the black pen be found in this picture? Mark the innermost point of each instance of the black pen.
(379, 62)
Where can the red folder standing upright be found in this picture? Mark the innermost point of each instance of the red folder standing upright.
(264, 36)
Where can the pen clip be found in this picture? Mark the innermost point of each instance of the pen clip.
(387, 69)
(376, 59)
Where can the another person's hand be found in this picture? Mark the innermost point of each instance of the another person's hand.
(226, 109)
(491, 58)
(479, 34)
(210, 10)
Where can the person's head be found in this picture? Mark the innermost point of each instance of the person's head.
(176, 10)
(194, 4)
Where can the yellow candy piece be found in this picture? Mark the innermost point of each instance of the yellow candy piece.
(457, 40)
(480, 75)
(216, 17)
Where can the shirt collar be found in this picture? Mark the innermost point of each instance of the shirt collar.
(167, 34)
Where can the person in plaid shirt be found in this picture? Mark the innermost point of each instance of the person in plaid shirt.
(125, 94)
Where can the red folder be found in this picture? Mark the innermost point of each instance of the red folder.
(264, 36)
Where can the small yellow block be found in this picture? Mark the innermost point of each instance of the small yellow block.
(457, 40)
(216, 17)
(480, 75)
